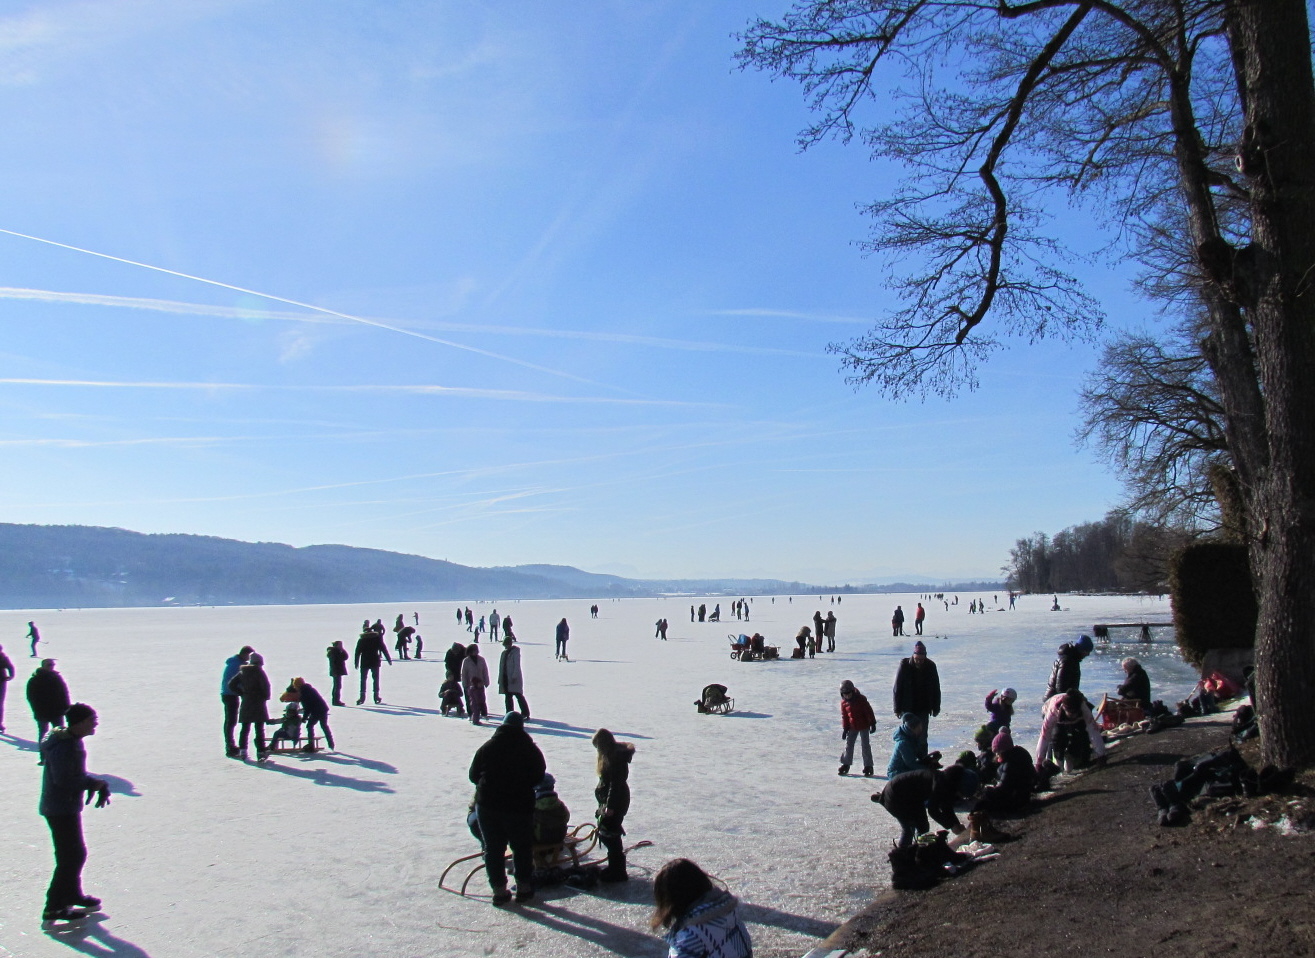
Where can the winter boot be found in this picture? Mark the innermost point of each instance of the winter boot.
(616, 858)
(844, 770)
(867, 771)
(501, 895)
(981, 829)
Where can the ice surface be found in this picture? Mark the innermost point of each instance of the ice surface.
(339, 854)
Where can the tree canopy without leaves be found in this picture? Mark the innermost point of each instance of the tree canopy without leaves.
(1189, 127)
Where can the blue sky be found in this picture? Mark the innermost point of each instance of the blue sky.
(575, 286)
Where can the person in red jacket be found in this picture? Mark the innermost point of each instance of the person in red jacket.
(856, 722)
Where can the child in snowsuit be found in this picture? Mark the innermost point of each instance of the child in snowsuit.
(1000, 706)
(910, 752)
(449, 695)
(290, 730)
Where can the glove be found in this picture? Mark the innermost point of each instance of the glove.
(872, 728)
(844, 736)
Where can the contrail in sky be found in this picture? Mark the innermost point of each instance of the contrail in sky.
(238, 312)
(417, 389)
(311, 306)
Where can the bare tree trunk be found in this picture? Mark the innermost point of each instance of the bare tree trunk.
(1270, 40)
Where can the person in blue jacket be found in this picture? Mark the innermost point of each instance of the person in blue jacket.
(229, 698)
(910, 752)
(700, 919)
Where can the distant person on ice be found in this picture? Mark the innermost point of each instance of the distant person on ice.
(474, 680)
(897, 622)
(65, 789)
(370, 655)
(48, 697)
(251, 685)
(7, 674)
(563, 636)
(856, 722)
(337, 657)
(229, 698)
(35, 636)
(918, 616)
(829, 630)
(917, 686)
(505, 771)
(511, 684)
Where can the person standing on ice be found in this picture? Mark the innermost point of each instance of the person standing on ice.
(511, 684)
(48, 697)
(563, 636)
(7, 674)
(897, 622)
(337, 657)
(856, 722)
(918, 686)
(918, 616)
(65, 789)
(370, 654)
(505, 771)
(829, 630)
(474, 680)
(35, 636)
(251, 684)
(819, 631)
(229, 698)
(613, 796)
(495, 623)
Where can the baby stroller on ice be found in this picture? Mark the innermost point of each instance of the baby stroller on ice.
(715, 701)
(753, 648)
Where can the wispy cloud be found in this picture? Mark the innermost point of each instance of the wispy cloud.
(792, 314)
(418, 389)
(293, 345)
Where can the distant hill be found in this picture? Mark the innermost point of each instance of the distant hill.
(95, 567)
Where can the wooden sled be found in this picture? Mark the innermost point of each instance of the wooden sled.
(579, 843)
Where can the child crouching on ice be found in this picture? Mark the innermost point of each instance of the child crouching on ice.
(449, 696)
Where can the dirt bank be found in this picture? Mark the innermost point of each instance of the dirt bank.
(1093, 873)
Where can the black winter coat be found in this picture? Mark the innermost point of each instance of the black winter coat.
(454, 657)
(251, 684)
(914, 795)
(371, 651)
(1137, 687)
(48, 695)
(337, 660)
(506, 769)
(1015, 774)
(1066, 673)
(917, 690)
(613, 788)
(313, 705)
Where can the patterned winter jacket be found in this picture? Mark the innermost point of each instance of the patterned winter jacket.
(710, 929)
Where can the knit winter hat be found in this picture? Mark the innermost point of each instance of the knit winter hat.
(1083, 644)
(919, 647)
(256, 659)
(77, 712)
(1009, 695)
(547, 785)
(846, 687)
(1002, 742)
(513, 720)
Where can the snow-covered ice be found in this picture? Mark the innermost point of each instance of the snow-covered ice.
(339, 854)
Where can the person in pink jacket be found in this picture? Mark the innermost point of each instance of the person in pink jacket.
(1068, 727)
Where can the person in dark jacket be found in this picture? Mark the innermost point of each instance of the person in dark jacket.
(1015, 777)
(897, 621)
(1066, 673)
(48, 697)
(337, 657)
(370, 654)
(1137, 687)
(912, 796)
(856, 723)
(65, 785)
(613, 795)
(314, 710)
(251, 685)
(229, 698)
(7, 674)
(917, 686)
(505, 771)
(562, 637)
(453, 657)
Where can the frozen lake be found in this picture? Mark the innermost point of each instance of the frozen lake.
(339, 854)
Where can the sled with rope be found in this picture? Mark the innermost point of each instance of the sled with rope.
(572, 856)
